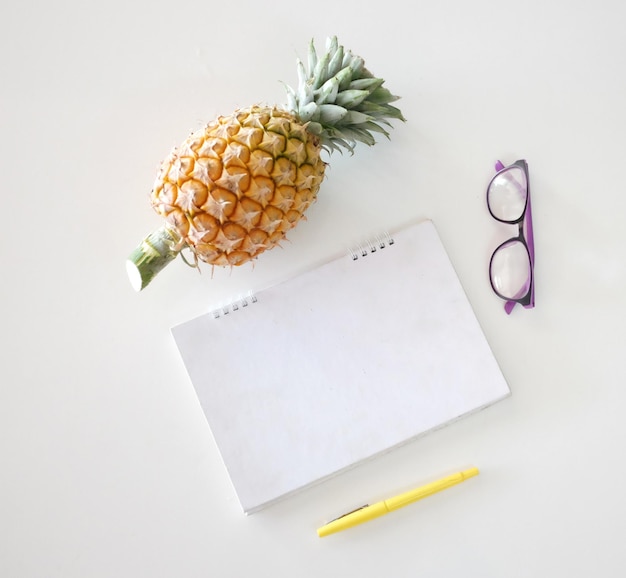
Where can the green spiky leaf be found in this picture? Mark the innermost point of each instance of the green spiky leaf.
(340, 99)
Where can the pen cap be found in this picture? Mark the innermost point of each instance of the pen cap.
(353, 518)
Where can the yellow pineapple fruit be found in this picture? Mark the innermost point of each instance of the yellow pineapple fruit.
(233, 189)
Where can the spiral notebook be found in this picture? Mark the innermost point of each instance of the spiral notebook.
(306, 378)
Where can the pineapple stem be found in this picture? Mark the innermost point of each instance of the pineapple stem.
(151, 255)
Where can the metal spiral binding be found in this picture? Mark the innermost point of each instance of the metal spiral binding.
(235, 305)
(371, 246)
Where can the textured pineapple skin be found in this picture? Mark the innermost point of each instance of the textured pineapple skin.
(234, 189)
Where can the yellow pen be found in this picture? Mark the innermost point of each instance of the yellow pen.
(367, 513)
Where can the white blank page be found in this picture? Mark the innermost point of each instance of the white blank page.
(339, 364)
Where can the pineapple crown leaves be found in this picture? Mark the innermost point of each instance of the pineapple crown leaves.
(340, 100)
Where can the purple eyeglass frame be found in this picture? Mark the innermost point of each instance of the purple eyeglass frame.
(524, 222)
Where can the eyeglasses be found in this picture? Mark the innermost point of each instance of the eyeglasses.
(512, 263)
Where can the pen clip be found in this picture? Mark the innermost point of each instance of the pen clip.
(348, 513)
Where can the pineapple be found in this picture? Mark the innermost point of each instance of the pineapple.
(234, 188)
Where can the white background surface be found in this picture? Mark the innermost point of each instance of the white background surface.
(107, 466)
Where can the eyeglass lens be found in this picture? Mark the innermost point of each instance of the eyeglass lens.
(507, 194)
(510, 270)
(510, 267)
